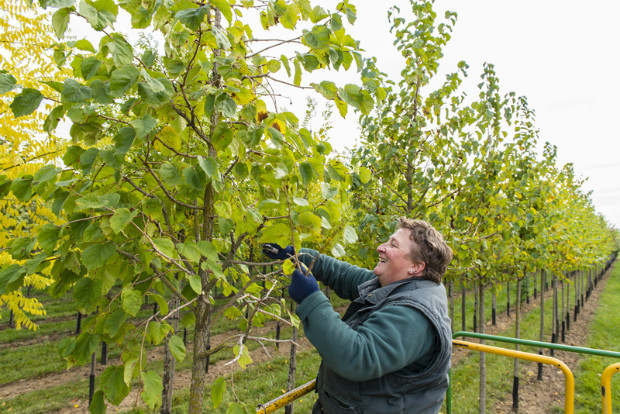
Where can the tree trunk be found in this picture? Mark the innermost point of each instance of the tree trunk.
(576, 294)
(475, 307)
(494, 307)
(292, 368)
(483, 367)
(451, 294)
(535, 286)
(169, 367)
(515, 381)
(568, 305)
(542, 321)
(508, 298)
(463, 298)
(562, 321)
(554, 313)
(197, 387)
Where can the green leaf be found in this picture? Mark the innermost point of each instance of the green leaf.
(131, 300)
(310, 222)
(122, 52)
(318, 37)
(276, 137)
(349, 235)
(208, 250)
(60, 21)
(97, 405)
(74, 92)
(156, 91)
(113, 384)
(114, 322)
(338, 250)
(217, 391)
(307, 173)
(48, 237)
(317, 14)
(288, 267)
(326, 88)
(54, 117)
(46, 173)
(84, 44)
(124, 140)
(328, 191)
(95, 256)
(94, 201)
(7, 83)
(170, 174)
(245, 359)
(32, 265)
(152, 389)
(195, 283)
(144, 125)
(365, 175)
(236, 408)
(194, 179)
(278, 233)
(22, 188)
(161, 302)
(226, 105)
(26, 102)
(191, 250)
(192, 18)
(85, 345)
(297, 73)
(89, 67)
(123, 79)
(220, 38)
(224, 7)
(21, 248)
(157, 332)
(58, 4)
(166, 246)
(86, 292)
(100, 14)
(177, 348)
(10, 275)
(222, 136)
(208, 165)
(121, 218)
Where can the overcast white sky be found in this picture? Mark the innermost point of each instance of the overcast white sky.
(564, 56)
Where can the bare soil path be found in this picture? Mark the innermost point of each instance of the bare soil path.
(540, 396)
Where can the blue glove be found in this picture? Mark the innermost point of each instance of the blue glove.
(274, 251)
(302, 286)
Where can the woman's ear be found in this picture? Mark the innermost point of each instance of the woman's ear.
(416, 268)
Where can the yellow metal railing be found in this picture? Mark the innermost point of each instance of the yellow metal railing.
(606, 386)
(286, 399)
(569, 398)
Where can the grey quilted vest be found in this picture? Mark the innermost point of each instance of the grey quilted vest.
(400, 391)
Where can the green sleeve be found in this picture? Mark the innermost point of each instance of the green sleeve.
(343, 277)
(392, 338)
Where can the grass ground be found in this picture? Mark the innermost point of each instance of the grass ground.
(258, 383)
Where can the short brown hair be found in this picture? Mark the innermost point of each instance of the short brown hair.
(429, 248)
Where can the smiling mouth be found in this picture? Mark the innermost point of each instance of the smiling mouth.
(381, 260)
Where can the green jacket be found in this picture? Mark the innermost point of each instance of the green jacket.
(385, 343)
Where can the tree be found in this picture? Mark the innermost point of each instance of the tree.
(24, 51)
(178, 170)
